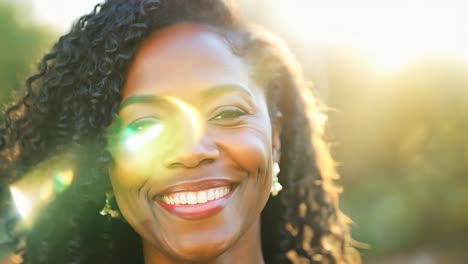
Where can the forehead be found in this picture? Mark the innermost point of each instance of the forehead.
(184, 57)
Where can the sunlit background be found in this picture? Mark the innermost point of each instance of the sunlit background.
(395, 76)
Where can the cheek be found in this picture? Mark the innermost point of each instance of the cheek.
(132, 168)
(248, 146)
(132, 205)
(124, 175)
(250, 149)
(126, 183)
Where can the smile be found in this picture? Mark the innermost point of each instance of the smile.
(200, 197)
(198, 200)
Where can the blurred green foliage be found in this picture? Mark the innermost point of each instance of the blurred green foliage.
(401, 140)
(21, 44)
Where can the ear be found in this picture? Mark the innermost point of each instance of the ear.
(277, 126)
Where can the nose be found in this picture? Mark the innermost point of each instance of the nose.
(204, 150)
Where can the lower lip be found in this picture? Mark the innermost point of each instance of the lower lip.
(197, 211)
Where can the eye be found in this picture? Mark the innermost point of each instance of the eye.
(141, 132)
(141, 125)
(227, 113)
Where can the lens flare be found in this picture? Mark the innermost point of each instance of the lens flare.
(62, 180)
(191, 114)
(46, 190)
(21, 201)
(136, 139)
(40, 186)
(146, 141)
(151, 136)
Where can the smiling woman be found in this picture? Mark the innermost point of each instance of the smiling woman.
(179, 115)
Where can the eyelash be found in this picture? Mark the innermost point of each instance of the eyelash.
(229, 114)
(142, 122)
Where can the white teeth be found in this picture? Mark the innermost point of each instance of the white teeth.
(191, 198)
(176, 199)
(210, 195)
(196, 197)
(201, 197)
(182, 198)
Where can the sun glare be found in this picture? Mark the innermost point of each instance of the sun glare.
(60, 14)
(390, 33)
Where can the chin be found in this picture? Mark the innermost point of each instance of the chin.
(200, 252)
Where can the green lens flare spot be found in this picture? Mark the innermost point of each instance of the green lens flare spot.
(140, 133)
(61, 181)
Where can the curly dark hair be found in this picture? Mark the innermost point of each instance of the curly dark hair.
(71, 101)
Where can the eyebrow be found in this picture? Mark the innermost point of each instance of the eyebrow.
(219, 90)
(140, 99)
(212, 92)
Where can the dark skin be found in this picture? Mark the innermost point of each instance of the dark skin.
(212, 123)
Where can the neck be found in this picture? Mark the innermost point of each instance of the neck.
(247, 249)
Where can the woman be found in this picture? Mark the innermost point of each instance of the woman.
(181, 114)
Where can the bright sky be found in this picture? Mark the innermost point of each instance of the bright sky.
(61, 13)
(390, 32)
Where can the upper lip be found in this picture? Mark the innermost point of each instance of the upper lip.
(194, 186)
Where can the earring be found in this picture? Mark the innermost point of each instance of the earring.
(107, 209)
(275, 185)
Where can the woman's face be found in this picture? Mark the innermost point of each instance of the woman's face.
(194, 154)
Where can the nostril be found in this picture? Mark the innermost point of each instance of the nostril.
(174, 165)
(188, 162)
(206, 151)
